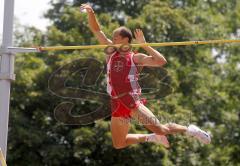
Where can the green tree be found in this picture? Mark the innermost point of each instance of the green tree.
(204, 78)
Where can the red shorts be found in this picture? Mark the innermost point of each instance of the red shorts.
(122, 107)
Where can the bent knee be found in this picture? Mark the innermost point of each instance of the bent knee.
(119, 145)
(162, 130)
(171, 127)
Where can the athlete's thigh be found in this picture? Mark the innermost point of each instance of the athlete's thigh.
(143, 115)
(119, 129)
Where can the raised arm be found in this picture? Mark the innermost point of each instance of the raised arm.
(154, 58)
(94, 25)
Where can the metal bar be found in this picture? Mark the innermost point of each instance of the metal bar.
(6, 67)
(22, 50)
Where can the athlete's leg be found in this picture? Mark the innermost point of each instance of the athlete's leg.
(147, 118)
(120, 137)
(143, 115)
(175, 128)
(150, 121)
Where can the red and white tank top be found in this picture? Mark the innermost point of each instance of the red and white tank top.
(122, 75)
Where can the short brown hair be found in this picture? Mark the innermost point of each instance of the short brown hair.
(125, 32)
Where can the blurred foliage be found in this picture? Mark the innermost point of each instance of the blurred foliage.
(205, 80)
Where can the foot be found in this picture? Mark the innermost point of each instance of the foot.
(199, 134)
(159, 139)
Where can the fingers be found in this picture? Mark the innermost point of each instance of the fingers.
(86, 7)
(138, 33)
(139, 36)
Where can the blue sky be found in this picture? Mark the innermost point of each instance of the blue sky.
(28, 13)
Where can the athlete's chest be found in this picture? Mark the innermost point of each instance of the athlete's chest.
(120, 63)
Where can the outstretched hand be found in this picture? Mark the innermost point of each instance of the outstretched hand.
(86, 7)
(139, 36)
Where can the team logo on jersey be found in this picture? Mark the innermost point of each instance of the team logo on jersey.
(118, 66)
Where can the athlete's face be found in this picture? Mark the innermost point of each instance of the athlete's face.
(118, 39)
